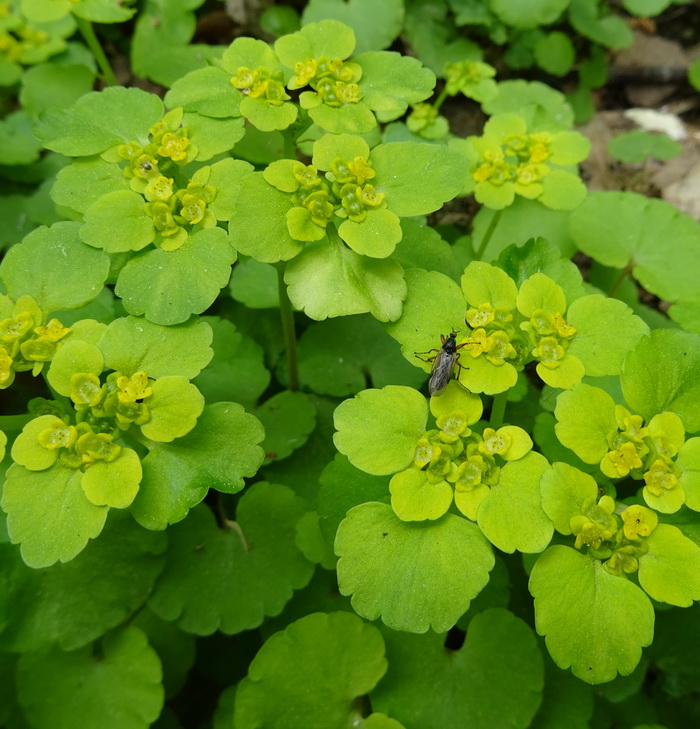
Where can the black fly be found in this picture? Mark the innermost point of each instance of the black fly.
(443, 363)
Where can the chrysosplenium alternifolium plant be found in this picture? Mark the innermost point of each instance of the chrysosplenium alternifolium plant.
(566, 431)
(492, 475)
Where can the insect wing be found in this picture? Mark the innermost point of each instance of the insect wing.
(441, 373)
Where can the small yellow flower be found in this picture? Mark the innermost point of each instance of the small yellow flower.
(660, 478)
(625, 459)
(638, 521)
(134, 388)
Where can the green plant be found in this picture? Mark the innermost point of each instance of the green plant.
(214, 347)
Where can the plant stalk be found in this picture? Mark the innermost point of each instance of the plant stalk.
(620, 279)
(86, 30)
(487, 236)
(498, 410)
(441, 98)
(290, 339)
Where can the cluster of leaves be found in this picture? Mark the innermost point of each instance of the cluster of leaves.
(159, 486)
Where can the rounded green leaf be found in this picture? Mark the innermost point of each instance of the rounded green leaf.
(569, 372)
(312, 543)
(302, 227)
(237, 371)
(619, 229)
(18, 145)
(28, 452)
(131, 344)
(333, 146)
(586, 416)
(308, 676)
(540, 292)
(637, 146)
(688, 462)
(328, 37)
(494, 679)
(594, 622)
(668, 502)
(288, 419)
(116, 687)
(267, 117)
(348, 118)
(391, 81)
(207, 91)
(457, 398)
(686, 312)
(606, 329)
(160, 45)
(536, 102)
(555, 53)
(483, 282)
(169, 286)
(49, 514)
(226, 176)
(174, 408)
(343, 486)
(175, 649)
(218, 453)
(564, 491)
(660, 374)
(378, 429)
(414, 498)
(99, 120)
(117, 222)
(114, 483)
(375, 26)
(255, 284)
(566, 701)
(376, 236)
(536, 12)
(74, 356)
(670, 571)
(511, 515)
(258, 225)
(562, 190)
(594, 22)
(85, 181)
(645, 8)
(328, 279)
(434, 305)
(55, 268)
(329, 366)
(422, 247)
(72, 604)
(440, 179)
(211, 137)
(242, 572)
(52, 84)
(415, 576)
(540, 222)
(103, 11)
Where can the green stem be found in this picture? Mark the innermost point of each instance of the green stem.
(14, 422)
(441, 98)
(236, 527)
(86, 30)
(618, 281)
(498, 410)
(487, 236)
(290, 148)
(290, 340)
